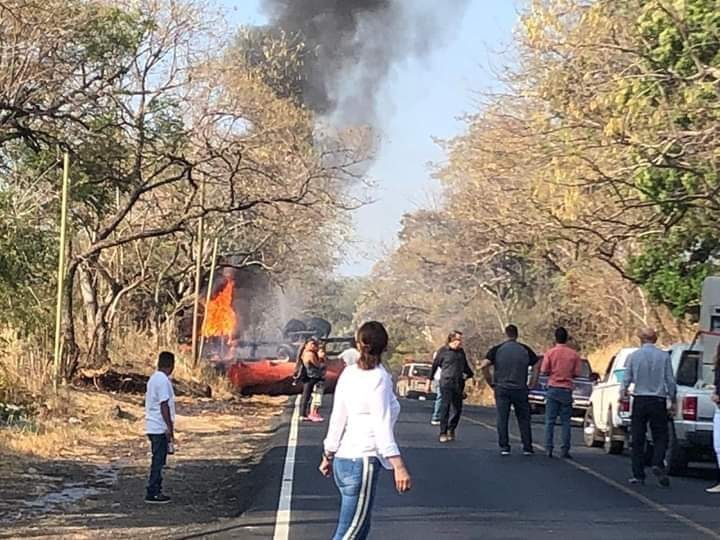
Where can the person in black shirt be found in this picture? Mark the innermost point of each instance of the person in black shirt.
(511, 361)
(452, 361)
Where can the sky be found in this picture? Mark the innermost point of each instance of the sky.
(420, 100)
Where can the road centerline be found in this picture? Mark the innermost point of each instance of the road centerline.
(284, 509)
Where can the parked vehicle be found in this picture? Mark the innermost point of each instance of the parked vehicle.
(583, 387)
(414, 381)
(607, 421)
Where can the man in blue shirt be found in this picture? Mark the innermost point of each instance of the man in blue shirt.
(650, 369)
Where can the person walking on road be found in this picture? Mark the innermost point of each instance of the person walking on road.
(650, 370)
(452, 362)
(511, 361)
(561, 364)
(360, 437)
(160, 424)
(310, 373)
(435, 386)
(716, 419)
(319, 390)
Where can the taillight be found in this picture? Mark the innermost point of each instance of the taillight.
(690, 408)
(625, 405)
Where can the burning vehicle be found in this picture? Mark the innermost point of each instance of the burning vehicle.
(257, 366)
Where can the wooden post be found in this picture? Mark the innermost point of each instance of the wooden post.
(61, 270)
(198, 270)
(208, 295)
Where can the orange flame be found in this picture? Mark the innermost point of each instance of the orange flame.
(220, 318)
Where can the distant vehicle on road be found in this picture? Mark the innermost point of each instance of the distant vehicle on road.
(414, 381)
(583, 387)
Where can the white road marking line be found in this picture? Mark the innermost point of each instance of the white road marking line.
(609, 481)
(282, 518)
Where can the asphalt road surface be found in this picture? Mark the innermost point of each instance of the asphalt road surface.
(466, 490)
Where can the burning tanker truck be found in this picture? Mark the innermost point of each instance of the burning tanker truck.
(256, 366)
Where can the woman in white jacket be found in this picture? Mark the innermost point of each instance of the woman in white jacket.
(361, 436)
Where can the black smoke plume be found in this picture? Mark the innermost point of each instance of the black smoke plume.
(352, 45)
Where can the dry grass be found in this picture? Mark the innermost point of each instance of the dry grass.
(600, 358)
(25, 369)
(56, 425)
(67, 421)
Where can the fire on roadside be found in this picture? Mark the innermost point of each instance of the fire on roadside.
(220, 319)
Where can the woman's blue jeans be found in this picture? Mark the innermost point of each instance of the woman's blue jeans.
(356, 479)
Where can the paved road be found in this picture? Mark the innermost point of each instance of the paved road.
(466, 490)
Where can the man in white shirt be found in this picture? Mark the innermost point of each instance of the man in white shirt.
(159, 424)
(350, 356)
(435, 387)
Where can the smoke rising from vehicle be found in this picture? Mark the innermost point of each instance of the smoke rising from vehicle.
(353, 46)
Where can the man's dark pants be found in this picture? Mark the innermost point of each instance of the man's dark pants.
(159, 446)
(452, 396)
(648, 410)
(504, 398)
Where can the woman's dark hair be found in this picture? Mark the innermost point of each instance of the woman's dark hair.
(301, 350)
(372, 341)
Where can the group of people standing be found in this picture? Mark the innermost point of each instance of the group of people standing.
(360, 438)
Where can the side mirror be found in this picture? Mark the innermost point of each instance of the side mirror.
(594, 377)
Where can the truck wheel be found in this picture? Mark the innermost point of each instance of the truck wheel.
(676, 459)
(610, 444)
(591, 435)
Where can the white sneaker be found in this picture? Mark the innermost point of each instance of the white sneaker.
(434, 422)
(714, 489)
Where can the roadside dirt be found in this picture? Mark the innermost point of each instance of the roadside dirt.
(94, 488)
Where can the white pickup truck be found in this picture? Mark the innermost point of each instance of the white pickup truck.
(607, 421)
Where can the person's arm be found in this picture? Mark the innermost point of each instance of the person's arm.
(628, 376)
(670, 383)
(336, 427)
(578, 366)
(546, 365)
(167, 416)
(435, 364)
(534, 362)
(467, 370)
(309, 358)
(381, 404)
(485, 366)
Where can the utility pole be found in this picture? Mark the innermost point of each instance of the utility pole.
(61, 270)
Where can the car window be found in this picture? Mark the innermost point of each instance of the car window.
(618, 375)
(421, 371)
(585, 369)
(404, 371)
(687, 372)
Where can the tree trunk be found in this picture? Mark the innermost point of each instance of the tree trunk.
(97, 330)
(70, 349)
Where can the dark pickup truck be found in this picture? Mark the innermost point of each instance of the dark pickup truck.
(581, 392)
